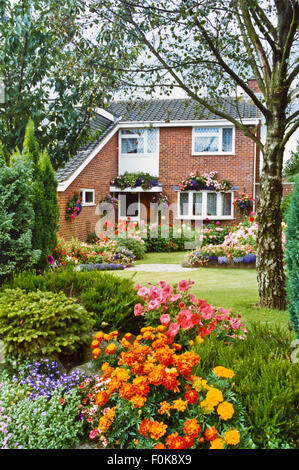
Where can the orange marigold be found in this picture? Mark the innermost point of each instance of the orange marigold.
(164, 408)
(138, 401)
(217, 443)
(101, 398)
(156, 375)
(99, 336)
(174, 441)
(144, 427)
(95, 343)
(191, 427)
(165, 355)
(225, 410)
(211, 433)
(111, 348)
(96, 352)
(159, 446)
(157, 429)
(191, 397)
(214, 396)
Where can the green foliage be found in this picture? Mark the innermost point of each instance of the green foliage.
(37, 324)
(266, 382)
(36, 58)
(109, 298)
(292, 258)
(42, 423)
(16, 216)
(45, 201)
(130, 180)
(291, 168)
(135, 246)
(285, 203)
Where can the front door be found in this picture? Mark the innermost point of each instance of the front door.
(129, 206)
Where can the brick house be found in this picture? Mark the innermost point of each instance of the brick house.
(168, 140)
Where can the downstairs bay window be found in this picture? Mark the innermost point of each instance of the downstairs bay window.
(193, 205)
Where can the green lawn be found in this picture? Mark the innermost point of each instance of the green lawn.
(228, 288)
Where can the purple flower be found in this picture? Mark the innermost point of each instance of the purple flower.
(50, 259)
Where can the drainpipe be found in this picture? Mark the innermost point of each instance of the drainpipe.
(254, 175)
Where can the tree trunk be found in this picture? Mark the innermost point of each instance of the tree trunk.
(270, 268)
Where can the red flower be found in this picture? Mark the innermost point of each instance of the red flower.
(62, 401)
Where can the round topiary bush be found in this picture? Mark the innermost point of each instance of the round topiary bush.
(47, 324)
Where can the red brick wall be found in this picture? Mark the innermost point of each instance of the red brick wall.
(96, 175)
(176, 163)
(287, 188)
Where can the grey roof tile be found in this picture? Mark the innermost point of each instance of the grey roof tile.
(179, 110)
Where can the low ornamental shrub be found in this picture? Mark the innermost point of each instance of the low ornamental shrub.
(108, 298)
(37, 324)
(184, 316)
(148, 397)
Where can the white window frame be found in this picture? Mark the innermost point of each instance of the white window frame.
(219, 134)
(83, 192)
(132, 218)
(204, 215)
(137, 136)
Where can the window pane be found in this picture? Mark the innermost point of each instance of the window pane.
(89, 197)
(152, 141)
(227, 140)
(211, 204)
(206, 144)
(184, 198)
(206, 130)
(128, 205)
(132, 145)
(197, 204)
(132, 131)
(226, 206)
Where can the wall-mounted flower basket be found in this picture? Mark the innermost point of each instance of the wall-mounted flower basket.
(244, 204)
(208, 181)
(73, 207)
(109, 199)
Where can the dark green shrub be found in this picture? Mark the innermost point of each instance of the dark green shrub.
(42, 324)
(292, 258)
(110, 298)
(137, 248)
(285, 203)
(266, 382)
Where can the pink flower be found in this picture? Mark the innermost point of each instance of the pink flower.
(183, 286)
(184, 319)
(153, 304)
(175, 297)
(93, 433)
(173, 329)
(167, 290)
(142, 291)
(138, 310)
(165, 319)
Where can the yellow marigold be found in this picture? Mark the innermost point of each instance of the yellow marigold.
(121, 374)
(214, 396)
(179, 405)
(107, 337)
(223, 372)
(207, 407)
(225, 410)
(199, 384)
(164, 408)
(148, 335)
(111, 348)
(114, 334)
(128, 336)
(232, 437)
(217, 443)
(147, 328)
(96, 352)
(95, 343)
(199, 339)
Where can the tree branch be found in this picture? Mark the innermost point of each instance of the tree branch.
(289, 134)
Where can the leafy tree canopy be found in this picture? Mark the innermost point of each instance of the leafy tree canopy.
(52, 73)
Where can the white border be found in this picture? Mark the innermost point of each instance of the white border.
(86, 204)
(220, 136)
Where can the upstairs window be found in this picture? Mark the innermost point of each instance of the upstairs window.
(212, 140)
(138, 141)
(87, 197)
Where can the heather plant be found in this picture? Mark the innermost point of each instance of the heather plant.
(37, 324)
